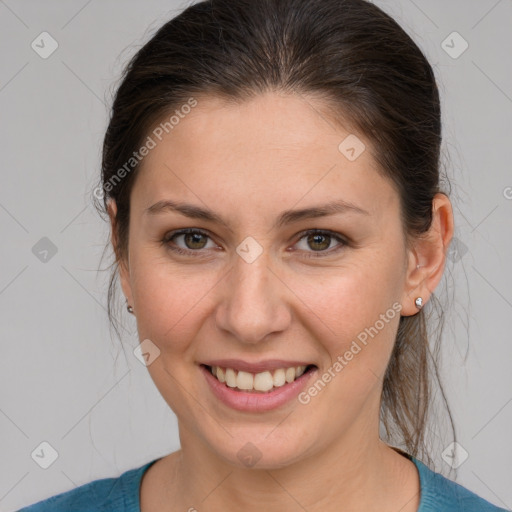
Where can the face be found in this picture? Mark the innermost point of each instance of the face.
(261, 292)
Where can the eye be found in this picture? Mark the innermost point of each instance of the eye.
(320, 240)
(193, 239)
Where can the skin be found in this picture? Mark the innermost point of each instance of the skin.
(248, 163)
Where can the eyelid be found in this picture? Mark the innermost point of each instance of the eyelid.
(167, 239)
(343, 242)
(333, 234)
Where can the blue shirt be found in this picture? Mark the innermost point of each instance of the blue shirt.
(121, 494)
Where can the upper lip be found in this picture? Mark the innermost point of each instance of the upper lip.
(255, 367)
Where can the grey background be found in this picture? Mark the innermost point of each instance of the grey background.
(64, 381)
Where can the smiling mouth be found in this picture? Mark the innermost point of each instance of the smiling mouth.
(263, 382)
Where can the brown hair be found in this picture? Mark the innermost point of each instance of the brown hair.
(364, 66)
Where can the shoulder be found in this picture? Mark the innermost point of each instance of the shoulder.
(440, 494)
(120, 494)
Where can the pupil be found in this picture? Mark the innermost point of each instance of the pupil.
(194, 238)
(316, 238)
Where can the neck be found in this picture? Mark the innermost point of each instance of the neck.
(359, 473)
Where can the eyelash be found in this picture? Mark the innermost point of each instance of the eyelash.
(315, 254)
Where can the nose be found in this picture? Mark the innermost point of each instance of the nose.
(254, 302)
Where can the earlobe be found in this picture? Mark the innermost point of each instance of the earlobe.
(428, 257)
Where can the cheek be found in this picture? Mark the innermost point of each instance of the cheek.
(351, 296)
(354, 320)
(358, 303)
(170, 302)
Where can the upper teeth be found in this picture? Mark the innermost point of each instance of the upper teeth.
(263, 381)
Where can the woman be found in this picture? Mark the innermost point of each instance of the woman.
(271, 173)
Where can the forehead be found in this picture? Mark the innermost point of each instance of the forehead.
(272, 148)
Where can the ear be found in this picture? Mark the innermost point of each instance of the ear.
(123, 264)
(429, 252)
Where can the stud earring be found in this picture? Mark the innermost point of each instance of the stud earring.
(419, 302)
(129, 308)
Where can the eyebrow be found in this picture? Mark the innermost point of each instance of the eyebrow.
(286, 217)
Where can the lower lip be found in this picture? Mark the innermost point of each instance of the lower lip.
(256, 401)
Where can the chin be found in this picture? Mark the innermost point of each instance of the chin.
(260, 450)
